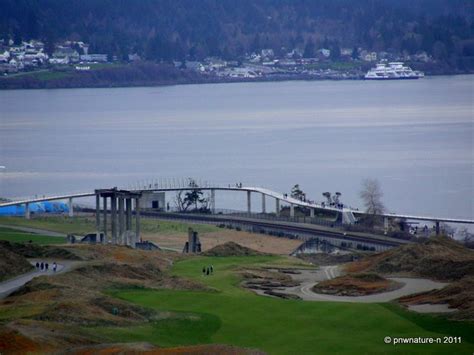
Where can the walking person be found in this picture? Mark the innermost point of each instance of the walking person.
(212, 269)
(207, 271)
(204, 270)
(42, 266)
(55, 266)
(37, 265)
(46, 266)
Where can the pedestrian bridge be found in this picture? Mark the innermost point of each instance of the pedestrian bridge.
(347, 213)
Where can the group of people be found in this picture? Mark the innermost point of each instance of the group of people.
(209, 270)
(44, 266)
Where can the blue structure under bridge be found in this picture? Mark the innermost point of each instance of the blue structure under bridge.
(36, 207)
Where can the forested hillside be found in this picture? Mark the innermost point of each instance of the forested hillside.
(175, 29)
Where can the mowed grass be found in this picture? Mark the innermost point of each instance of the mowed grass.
(232, 315)
(83, 225)
(17, 236)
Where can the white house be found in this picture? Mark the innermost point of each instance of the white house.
(5, 56)
(325, 52)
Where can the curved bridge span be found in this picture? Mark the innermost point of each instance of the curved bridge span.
(347, 213)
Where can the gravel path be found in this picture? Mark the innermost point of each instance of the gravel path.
(9, 286)
(309, 278)
(431, 308)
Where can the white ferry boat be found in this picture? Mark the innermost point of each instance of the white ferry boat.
(392, 71)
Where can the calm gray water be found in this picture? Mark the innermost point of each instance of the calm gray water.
(415, 137)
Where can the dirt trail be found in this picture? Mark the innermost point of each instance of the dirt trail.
(309, 278)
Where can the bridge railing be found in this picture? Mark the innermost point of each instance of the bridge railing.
(265, 216)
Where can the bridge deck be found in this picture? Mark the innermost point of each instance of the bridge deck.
(266, 192)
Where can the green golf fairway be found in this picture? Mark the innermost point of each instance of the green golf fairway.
(232, 315)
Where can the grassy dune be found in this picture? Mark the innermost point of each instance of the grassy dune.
(236, 316)
(13, 235)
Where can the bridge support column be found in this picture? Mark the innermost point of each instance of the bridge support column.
(249, 203)
(113, 217)
(121, 220)
(264, 209)
(213, 201)
(27, 211)
(70, 208)
(137, 222)
(105, 220)
(128, 217)
(311, 212)
(438, 230)
(385, 224)
(292, 210)
(277, 207)
(97, 212)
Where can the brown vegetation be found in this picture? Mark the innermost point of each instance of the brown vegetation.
(47, 307)
(258, 242)
(438, 258)
(459, 294)
(28, 250)
(270, 281)
(356, 285)
(12, 264)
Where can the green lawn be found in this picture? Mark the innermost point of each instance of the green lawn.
(238, 317)
(84, 225)
(13, 235)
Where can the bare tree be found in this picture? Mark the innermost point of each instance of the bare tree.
(297, 193)
(328, 196)
(371, 194)
(180, 201)
(184, 200)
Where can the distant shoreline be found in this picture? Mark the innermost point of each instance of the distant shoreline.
(151, 76)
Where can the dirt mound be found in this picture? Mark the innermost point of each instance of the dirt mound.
(459, 294)
(12, 264)
(231, 249)
(356, 285)
(438, 258)
(38, 251)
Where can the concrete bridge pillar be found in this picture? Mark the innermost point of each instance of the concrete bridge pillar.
(277, 206)
(70, 208)
(128, 217)
(137, 222)
(438, 230)
(311, 212)
(213, 201)
(249, 203)
(105, 219)
(264, 210)
(120, 220)
(292, 210)
(97, 212)
(113, 217)
(27, 211)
